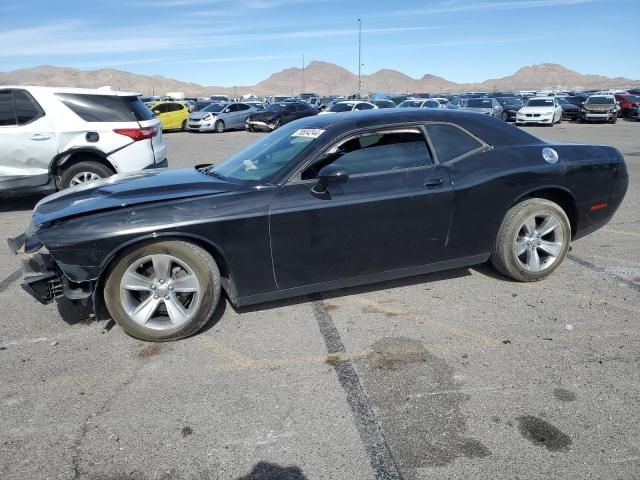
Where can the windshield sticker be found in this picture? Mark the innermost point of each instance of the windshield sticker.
(308, 132)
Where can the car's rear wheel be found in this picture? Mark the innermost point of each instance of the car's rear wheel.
(219, 126)
(505, 116)
(614, 119)
(163, 291)
(532, 241)
(83, 172)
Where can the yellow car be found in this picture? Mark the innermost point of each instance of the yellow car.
(172, 115)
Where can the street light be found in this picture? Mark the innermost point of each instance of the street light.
(359, 56)
(303, 73)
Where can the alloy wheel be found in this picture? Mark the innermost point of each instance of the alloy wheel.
(84, 177)
(539, 242)
(160, 292)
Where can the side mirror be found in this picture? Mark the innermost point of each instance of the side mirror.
(327, 175)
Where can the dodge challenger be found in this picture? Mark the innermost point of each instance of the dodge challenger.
(324, 202)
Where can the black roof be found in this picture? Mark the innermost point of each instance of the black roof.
(492, 130)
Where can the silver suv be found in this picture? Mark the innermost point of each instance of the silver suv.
(53, 138)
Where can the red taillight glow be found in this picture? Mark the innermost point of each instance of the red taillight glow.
(137, 134)
(599, 206)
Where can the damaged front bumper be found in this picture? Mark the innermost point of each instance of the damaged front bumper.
(43, 279)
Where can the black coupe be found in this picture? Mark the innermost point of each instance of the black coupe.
(322, 203)
(278, 114)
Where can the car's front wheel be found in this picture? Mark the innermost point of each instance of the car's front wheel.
(532, 241)
(219, 126)
(163, 291)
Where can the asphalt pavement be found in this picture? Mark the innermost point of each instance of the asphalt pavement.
(455, 375)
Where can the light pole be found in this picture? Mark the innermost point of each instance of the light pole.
(303, 73)
(359, 56)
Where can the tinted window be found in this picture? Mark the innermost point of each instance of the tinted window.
(379, 153)
(7, 113)
(451, 142)
(242, 106)
(301, 108)
(479, 103)
(27, 109)
(363, 106)
(233, 107)
(539, 102)
(342, 107)
(138, 108)
(100, 108)
(162, 108)
(174, 107)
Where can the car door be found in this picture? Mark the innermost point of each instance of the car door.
(241, 115)
(231, 115)
(289, 113)
(28, 141)
(161, 111)
(392, 213)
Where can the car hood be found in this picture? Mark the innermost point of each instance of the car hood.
(199, 115)
(264, 116)
(598, 107)
(540, 110)
(124, 190)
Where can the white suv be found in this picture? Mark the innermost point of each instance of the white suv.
(53, 138)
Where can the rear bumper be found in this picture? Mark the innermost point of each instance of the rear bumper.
(162, 164)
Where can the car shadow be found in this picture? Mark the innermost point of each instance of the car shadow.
(272, 471)
(17, 203)
(74, 313)
(360, 290)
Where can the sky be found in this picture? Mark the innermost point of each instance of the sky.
(241, 42)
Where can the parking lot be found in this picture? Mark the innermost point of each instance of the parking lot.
(461, 374)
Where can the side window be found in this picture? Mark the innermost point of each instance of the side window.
(379, 152)
(302, 108)
(98, 108)
(27, 109)
(289, 108)
(175, 107)
(363, 106)
(243, 106)
(450, 142)
(7, 112)
(162, 108)
(233, 107)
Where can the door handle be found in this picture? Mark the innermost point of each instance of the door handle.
(433, 182)
(39, 136)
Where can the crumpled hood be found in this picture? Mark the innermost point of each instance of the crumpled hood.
(128, 189)
(598, 107)
(199, 115)
(264, 116)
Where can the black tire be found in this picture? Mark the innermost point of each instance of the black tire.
(95, 168)
(505, 117)
(613, 120)
(503, 255)
(184, 126)
(277, 123)
(199, 261)
(219, 126)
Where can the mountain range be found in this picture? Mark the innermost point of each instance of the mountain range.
(319, 77)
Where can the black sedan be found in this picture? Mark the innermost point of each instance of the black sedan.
(510, 107)
(278, 114)
(570, 111)
(322, 203)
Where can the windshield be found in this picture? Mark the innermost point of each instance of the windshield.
(214, 107)
(478, 103)
(410, 104)
(600, 101)
(268, 156)
(275, 107)
(540, 102)
(509, 101)
(341, 107)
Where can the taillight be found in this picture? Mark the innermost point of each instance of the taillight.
(137, 134)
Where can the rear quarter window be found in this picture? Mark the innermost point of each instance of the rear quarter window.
(27, 109)
(451, 142)
(7, 112)
(106, 108)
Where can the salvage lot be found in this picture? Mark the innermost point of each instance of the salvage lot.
(461, 374)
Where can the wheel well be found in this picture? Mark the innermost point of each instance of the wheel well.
(77, 157)
(562, 198)
(226, 280)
